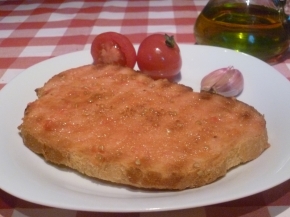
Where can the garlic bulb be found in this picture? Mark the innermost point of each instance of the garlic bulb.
(225, 81)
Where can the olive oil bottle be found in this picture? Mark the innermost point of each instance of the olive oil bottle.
(250, 28)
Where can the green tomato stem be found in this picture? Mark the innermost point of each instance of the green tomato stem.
(169, 41)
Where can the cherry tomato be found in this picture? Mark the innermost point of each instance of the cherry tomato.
(113, 48)
(159, 56)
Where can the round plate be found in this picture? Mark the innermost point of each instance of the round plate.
(27, 176)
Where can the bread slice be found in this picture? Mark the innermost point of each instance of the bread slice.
(115, 124)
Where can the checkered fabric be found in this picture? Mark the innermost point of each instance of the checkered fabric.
(33, 31)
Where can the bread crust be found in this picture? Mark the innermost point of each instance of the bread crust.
(118, 125)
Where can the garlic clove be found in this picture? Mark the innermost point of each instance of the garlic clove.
(224, 81)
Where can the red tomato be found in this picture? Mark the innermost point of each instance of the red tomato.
(159, 56)
(113, 48)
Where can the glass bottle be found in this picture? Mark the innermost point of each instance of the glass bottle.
(256, 27)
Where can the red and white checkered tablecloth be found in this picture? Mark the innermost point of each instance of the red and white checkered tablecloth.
(33, 31)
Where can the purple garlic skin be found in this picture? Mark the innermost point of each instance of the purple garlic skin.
(228, 82)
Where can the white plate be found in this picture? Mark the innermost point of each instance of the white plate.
(29, 177)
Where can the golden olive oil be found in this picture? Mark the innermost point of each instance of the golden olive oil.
(257, 30)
